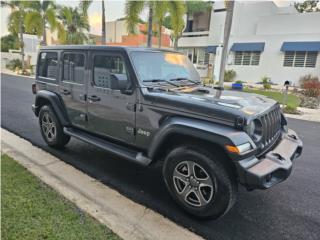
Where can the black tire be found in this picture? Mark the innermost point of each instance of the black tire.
(224, 186)
(57, 139)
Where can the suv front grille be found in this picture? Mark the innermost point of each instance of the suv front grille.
(271, 126)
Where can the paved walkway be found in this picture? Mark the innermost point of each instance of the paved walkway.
(307, 114)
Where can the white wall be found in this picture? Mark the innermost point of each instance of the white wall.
(263, 22)
(271, 60)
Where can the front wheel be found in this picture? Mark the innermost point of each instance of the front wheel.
(198, 182)
(51, 129)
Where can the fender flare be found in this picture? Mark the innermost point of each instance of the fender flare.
(56, 104)
(208, 131)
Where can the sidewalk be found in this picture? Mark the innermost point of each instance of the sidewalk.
(7, 71)
(124, 217)
(307, 114)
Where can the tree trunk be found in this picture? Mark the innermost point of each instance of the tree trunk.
(175, 43)
(160, 36)
(44, 33)
(227, 29)
(103, 30)
(21, 39)
(149, 43)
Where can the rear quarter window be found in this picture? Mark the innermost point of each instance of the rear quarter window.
(48, 65)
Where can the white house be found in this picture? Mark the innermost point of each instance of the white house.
(265, 40)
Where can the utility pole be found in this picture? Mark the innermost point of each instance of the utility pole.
(227, 29)
(103, 30)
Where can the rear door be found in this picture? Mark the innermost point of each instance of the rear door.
(73, 86)
(111, 112)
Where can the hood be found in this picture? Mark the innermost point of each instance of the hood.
(203, 101)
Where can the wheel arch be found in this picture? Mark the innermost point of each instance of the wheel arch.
(45, 97)
(178, 130)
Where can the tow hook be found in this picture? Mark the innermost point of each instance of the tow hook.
(278, 156)
(293, 136)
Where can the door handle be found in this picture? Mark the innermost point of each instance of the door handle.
(65, 92)
(94, 98)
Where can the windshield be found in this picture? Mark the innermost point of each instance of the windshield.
(163, 66)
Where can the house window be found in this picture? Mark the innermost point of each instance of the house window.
(300, 59)
(247, 58)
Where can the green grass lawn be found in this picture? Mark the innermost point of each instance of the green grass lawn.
(32, 210)
(292, 100)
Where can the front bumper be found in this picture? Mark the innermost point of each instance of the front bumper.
(274, 167)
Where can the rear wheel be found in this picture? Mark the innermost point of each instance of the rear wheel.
(51, 129)
(199, 182)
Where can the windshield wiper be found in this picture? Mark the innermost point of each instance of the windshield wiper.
(182, 79)
(156, 80)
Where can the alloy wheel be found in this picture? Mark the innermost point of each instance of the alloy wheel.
(193, 184)
(48, 127)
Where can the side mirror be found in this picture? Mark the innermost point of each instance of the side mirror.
(120, 82)
(126, 91)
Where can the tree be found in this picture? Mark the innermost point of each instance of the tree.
(103, 25)
(16, 21)
(10, 41)
(73, 25)
(174, 8)
(307, 6)
(38, 16)
(177, 11)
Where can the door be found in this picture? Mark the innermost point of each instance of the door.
(111, 112)
(73, 86)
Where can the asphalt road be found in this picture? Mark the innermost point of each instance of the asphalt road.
(290, 210)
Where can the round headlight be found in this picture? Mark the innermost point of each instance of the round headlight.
(257, 133)
(254, 129)
(251, 128)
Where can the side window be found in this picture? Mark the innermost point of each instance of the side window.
(48, 65)
(73, 67)
(109, 72)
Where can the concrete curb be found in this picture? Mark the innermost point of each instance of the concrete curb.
(124, 217)
(14, 74)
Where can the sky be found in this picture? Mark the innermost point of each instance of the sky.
(114, 10)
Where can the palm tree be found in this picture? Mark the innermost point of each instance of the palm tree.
(40, 14)
(177, 10)
(103, 24)
(16, 21)
(174, 8)
(73, 25)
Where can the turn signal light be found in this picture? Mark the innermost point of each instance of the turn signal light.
(239, 149)
(232, 149)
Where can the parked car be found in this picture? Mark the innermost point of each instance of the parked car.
(147, 105)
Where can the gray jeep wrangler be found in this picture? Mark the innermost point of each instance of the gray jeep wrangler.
(147, 106)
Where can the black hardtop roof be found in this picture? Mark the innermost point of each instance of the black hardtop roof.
(104, 47)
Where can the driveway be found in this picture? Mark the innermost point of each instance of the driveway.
(290, 210)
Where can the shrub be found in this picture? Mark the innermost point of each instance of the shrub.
(290, 110)
(266, 83)
(311, 85)
(14, 64)
(229, 75)
(239, 81)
